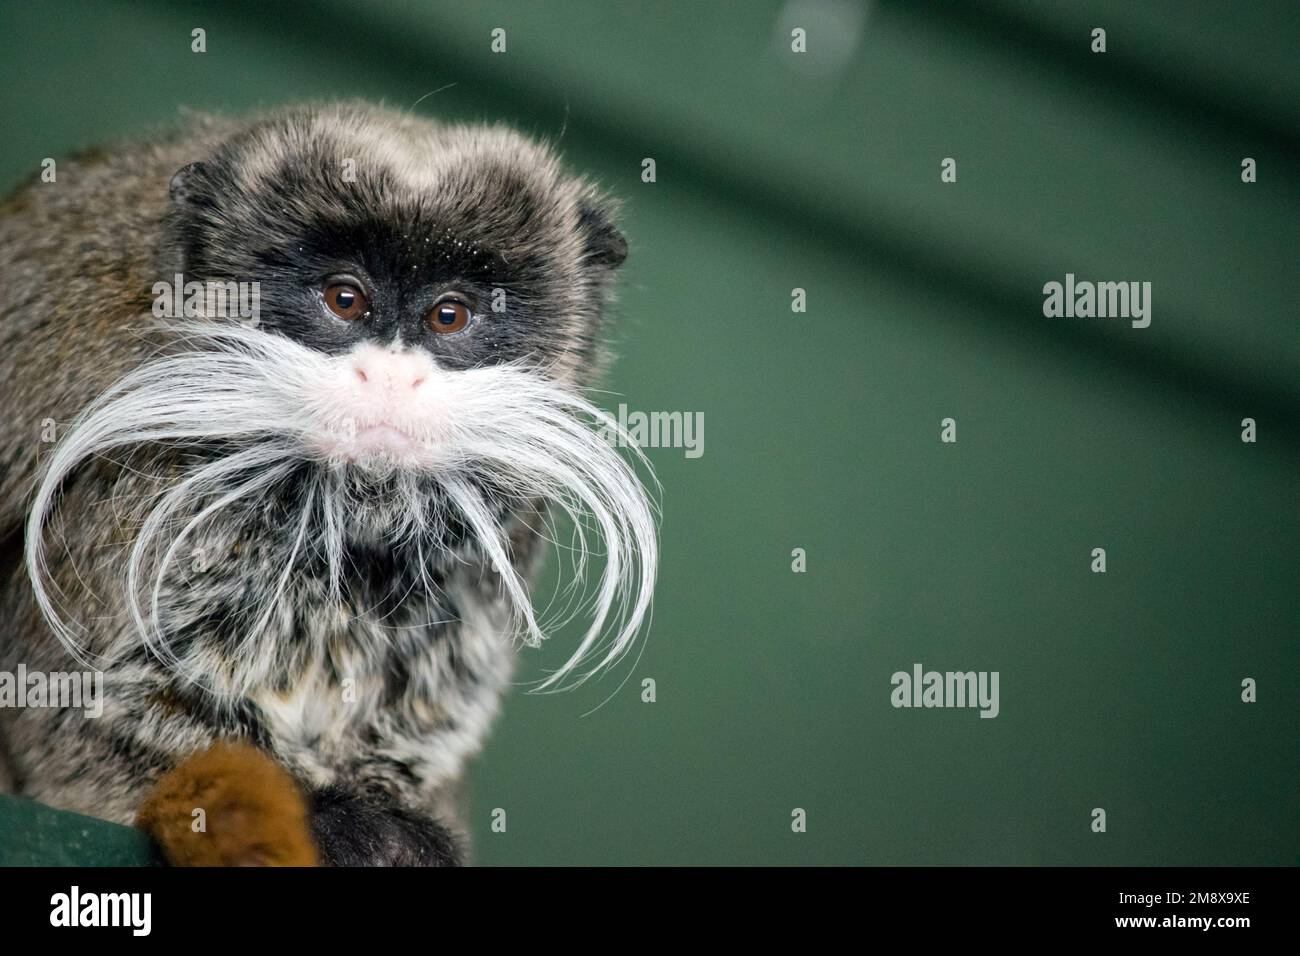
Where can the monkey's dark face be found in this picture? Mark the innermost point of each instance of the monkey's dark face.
(405, 250)
(429, 304)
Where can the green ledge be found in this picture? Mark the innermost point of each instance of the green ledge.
(32, 834)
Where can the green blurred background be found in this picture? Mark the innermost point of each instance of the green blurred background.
(821, 171)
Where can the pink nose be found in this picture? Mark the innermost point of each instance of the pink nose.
(390, 371)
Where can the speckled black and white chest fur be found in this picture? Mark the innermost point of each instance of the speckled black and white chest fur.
(313, 530)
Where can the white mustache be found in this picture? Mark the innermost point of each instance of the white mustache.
(257, 393)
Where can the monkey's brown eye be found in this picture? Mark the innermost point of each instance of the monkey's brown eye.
(449, 315)
(346, 301)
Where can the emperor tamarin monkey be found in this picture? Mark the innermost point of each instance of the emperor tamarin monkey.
(297, 522)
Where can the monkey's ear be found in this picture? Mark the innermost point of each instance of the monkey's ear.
(605, 245)
(187, 183)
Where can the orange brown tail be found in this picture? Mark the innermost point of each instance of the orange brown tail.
(230, 805)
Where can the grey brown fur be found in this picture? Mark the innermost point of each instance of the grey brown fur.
(78, 259)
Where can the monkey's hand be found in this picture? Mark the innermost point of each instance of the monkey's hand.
(230, 805)
(354, 830)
